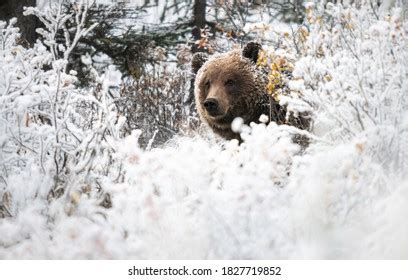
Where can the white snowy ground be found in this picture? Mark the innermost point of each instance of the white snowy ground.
(346, 196)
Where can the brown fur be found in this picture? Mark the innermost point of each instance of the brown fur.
(234, 80)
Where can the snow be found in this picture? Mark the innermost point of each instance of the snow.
(237, 124)
(343, 197)
(263, 118)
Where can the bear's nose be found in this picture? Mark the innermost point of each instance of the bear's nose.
(211, 105)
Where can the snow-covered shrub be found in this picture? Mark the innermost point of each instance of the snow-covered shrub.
(353, 70)
(343, 197)
(54, 136)
(159, 103)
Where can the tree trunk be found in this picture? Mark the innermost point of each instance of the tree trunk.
(27, 24)
(199, 22)
(199, 13)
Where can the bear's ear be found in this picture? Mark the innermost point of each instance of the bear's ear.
(251, 51)
(198, 60)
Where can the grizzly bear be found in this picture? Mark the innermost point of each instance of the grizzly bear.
(231, 85)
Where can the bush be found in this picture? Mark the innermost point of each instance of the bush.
(343, 197)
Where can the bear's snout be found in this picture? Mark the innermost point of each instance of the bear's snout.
(211, 106)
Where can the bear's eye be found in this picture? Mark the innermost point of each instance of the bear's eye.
(206, 86)
(230, 82)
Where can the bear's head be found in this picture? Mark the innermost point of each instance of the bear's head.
(228, 86)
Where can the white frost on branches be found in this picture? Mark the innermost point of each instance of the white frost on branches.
(344, 197)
